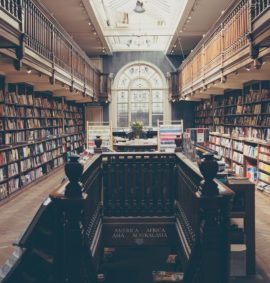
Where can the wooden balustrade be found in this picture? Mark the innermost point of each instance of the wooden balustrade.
(259, 7)
(12, 7)
(223, 41)
(43, 35)
(202, 222)
(68, 233)
(138, 184)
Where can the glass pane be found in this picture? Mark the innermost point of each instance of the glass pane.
(122, 115)
(139, 96)
(155, 118)
(156, 81)
(157, 108)
(123, 81)
(157, 96)
(122, 96)
(140, 112)
(139, 83)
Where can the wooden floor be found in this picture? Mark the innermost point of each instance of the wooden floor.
(16, 214)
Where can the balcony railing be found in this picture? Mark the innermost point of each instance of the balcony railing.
(259, 7)
(226, 39)
(43, 35)
(12, 7)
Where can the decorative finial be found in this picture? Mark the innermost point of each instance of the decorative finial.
(209, 168)
(73, 170)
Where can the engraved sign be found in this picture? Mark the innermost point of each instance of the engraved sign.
(137, 234)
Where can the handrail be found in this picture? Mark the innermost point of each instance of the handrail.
(42, 34)
(127, 185)
(49, 39)
(258, 8)
(226, 38)
(12, 7)
(202, 222)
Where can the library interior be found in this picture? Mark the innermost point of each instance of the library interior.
(134, 141)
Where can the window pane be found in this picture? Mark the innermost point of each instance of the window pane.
(122, 115)
(122, 96)
(155, 118)
(156, 81)
(139, 83)
(157, 96)
(140, 112)
(157, 108)
(140, 96)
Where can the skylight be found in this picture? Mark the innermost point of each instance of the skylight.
(131, 25)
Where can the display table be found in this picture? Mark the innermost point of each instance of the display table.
(138, 145)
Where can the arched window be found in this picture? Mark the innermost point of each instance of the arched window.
(140, 91)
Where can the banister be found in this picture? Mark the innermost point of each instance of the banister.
(42, 34)
(225, 39)
(159, 187)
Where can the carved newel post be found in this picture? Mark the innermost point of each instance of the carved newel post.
(98, 143)
(70, 260)
(209, 168)
(214, 225)
(179, 143)
(73, 170)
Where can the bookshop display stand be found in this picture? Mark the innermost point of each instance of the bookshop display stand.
(37, 131)
(167, 133)
(103, 130)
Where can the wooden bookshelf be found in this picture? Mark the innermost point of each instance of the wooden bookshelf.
(241, 127)
(204, 114)
(37, 133)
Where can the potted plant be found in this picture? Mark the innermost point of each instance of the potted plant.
(137, 127)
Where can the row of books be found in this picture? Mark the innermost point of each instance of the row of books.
(74, 129)
(207, 120)
(25, 136)
(72, 108)
(238, 145)
(39, 160)
(44, 102)
(264, 177)
(256, 95)
(238, 169)
(238, 157)
(12, 155)
(22, 99)
(252, 109)
(218, 112)
(73, 115)
(264, 157)
(16, 183)
(250, 150)
(218, 120)
(47, 113)
(226, 142)
(232, 100)
(265, 149)
(265, 167)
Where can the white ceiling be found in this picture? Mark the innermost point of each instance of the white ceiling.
(126, 30)
(174, 26)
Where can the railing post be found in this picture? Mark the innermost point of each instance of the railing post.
(52, 78)
(70, 259)
(214, 226)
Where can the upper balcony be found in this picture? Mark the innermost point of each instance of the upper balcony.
(238, 41)
(31, 39)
